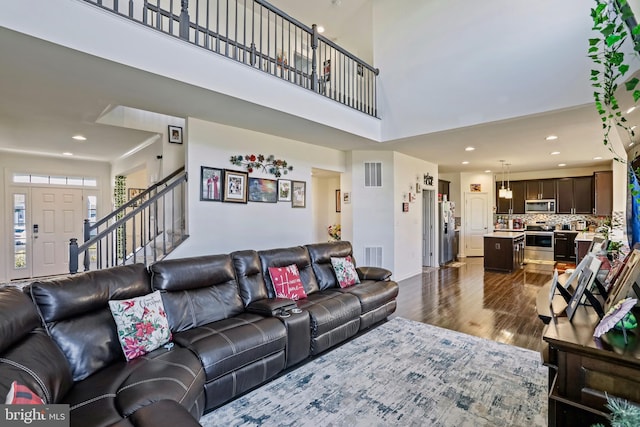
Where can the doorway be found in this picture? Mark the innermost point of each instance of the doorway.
(476, 226)
(44, 220)
(428, 228)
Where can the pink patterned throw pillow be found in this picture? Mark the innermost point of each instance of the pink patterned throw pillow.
(142, 324)
(345, 271)
(286, 282)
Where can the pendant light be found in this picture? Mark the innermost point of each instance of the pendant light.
(502, 193)
(508, 192)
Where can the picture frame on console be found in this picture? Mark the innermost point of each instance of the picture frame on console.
(585, 280)
(235, 186)
(263, 190)
(298, 194)
(210, 184)
(627, 277)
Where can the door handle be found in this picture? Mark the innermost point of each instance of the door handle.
(35, 231)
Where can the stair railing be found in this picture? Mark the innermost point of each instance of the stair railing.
(258, 34)
(152, 222)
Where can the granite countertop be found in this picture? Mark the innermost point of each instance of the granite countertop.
(566, 231)
(502, 230)
(585, 236)
(505, 234)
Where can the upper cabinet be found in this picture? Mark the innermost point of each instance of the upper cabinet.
(574, 195)
(443, 189)
(515, 205)
(603, 193)
(540, 189)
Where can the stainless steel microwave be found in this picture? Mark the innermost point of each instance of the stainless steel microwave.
(540, 206)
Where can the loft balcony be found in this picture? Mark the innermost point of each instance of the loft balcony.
(259, 35)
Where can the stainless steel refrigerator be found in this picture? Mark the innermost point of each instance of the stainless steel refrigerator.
(447, 222)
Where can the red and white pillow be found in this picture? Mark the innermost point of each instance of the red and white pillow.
(345, 271)
(142, 324)
(21, 395)
(286, 282)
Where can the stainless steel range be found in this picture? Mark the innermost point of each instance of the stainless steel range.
(538, 242)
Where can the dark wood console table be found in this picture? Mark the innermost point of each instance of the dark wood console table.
(584, 370)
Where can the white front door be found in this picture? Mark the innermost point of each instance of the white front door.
(57, 216)
(476, 225)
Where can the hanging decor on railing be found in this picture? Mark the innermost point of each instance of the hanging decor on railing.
(269, 164)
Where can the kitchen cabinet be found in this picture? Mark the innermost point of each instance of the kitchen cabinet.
(443, 189)
(515, 205)
(581, 248)
(541, 189)
(574, 195)
(564, 249)
(603, 193)
(503, 251)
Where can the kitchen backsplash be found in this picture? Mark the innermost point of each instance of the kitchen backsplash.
(559, 218)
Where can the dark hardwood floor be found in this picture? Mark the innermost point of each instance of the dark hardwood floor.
(496, 306)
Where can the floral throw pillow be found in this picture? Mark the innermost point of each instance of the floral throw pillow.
(345, 271)
(286, 282)
(142, 324)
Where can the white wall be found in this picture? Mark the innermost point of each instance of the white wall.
(408, 225)
(217, 227)
(10, 163)
(324, 206)
(454, 85)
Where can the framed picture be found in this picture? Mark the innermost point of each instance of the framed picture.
(346, 197)
(284, 190)
(210, 184)
(175, 134)
(298, 194)
(263, 190)
(338, 201)
(235, 186)
(133, 193)
(475, 188)
(627, 277)
(587, 276)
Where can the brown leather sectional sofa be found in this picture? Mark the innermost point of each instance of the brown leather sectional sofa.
(230, 332)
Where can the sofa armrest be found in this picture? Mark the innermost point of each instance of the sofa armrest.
(373, 273)
(271, 306)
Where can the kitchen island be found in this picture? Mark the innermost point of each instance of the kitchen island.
(503, 250)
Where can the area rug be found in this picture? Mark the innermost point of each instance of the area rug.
(403, 373)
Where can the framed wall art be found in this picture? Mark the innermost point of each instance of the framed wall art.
(210, 184)
(338, 201)
(134, 192)
(298, 194)
(175, 134)
(263, 190)
(235, 186)
(284, 190)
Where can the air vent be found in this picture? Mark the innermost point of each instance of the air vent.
(372, 174)
(373, 256)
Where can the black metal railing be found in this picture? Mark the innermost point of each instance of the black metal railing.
(144, 229)
(260, 35)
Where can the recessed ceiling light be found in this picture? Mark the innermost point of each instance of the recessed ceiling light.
(562, 164)
(465, 162)
(487, 171)
(320, 29)
(630, 110)
(631, 144)
(634, 127)
(79, 138)
(551, 137)
(469, 148)
(554, 153)
(66, 153)
(597, 158)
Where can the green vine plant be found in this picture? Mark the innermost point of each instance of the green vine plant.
(606, 52)
(119, 199)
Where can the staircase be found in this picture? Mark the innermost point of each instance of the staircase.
(143, 230)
